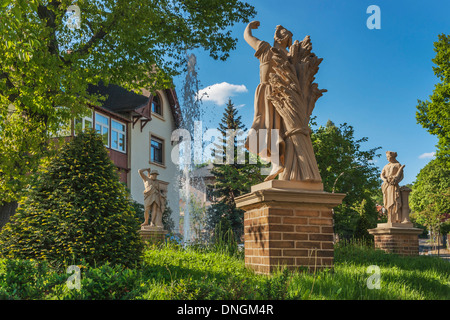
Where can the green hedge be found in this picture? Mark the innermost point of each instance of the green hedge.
(75, 210)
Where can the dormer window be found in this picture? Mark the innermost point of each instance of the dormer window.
(156, 105)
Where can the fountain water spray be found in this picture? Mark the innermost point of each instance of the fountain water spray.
(191, 113)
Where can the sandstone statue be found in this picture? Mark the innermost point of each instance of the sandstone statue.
(154, 199)
(284, 101)
(398, 235)
(391, 175)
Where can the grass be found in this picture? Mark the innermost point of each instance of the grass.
(171, 272)
(410, 278)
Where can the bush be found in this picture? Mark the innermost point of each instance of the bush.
(27, 279)
(75, 210)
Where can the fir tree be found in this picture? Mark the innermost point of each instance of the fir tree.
(76, 210)
(234, 175)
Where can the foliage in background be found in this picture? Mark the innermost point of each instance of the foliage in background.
(198, 218)
(75, 210)
(167, 219)
(49, 57)
(346, 168)
(232, 179)
(366, 220)
(430, 198)
(224, 240)
(434, 114)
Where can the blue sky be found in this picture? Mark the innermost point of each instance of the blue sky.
(373, 77)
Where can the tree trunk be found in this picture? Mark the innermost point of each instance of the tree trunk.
(6, 211)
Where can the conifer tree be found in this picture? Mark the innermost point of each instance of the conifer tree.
(234, 175)
(75, 210)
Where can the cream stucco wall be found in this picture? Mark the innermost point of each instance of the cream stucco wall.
(140, 156)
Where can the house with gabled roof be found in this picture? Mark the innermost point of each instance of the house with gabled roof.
(136, 130)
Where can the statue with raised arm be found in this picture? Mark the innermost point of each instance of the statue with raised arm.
(284, 101)
(154, 199)
(391, 175)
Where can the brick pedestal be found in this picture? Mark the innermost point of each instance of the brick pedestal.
(288, 223)
(397, 238)
(152, 234)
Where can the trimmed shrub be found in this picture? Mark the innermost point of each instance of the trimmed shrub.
(75, 210)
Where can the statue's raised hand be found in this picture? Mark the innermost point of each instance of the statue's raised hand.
(254, 25)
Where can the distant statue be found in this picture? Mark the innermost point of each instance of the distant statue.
(405, 191)
(284, 101)
(391, 175)
(154, 199)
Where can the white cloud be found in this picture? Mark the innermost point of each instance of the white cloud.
(221, 92)
(427, 155)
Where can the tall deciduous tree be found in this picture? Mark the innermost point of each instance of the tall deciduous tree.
(430, 198)
(434, 114)
(49, 56)
(345, 168)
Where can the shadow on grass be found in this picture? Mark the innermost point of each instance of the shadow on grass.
(194, 275)
(369, 256)
(410, 277)
(201, 275)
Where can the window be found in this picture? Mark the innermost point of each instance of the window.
(83, 123)
(64, 129)
(156, 105)
(102, 127)
(118, 135)
(156, 153)
(64, 126)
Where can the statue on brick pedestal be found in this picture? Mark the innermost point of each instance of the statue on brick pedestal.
(391, 175)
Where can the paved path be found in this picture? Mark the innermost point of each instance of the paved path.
(425, 248)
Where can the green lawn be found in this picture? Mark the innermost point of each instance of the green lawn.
(172, 273)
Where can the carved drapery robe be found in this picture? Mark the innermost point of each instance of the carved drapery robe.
(265, 115)
(392, 174)
(284, 100)
(152, 193)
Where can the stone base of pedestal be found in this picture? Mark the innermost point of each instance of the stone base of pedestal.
(153, 235)
(399, 238)
(287, 225)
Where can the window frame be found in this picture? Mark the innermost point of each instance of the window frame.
(102, 125)
(83, 123)
(124, 133)
(162, 142)
(64, 128)
(158, 96)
